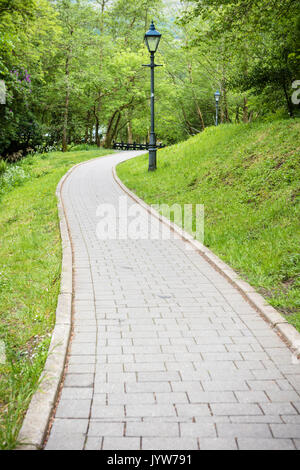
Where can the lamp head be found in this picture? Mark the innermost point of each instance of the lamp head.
(217, 96)
(152, 38)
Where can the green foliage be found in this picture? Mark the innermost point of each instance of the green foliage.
(12, 177)
(80, 147)
(247, 176)
(25, 8)
(3, 166)
(74, 71)
(256, 44)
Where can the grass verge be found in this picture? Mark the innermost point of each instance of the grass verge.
(30, 262)
(247, 176)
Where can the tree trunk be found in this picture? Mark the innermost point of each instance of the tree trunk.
(115, 131)
(200, 115)
(87, 126)
(222, 114)
(245, 110)
(189, 128)
(66, 111)
(109, 132)
(67, 98)
(226, 117)
(111, 128)
(198, 109)
(288, 100)
(129, 133)
(97, 107)
(97, 138)
(237, 114)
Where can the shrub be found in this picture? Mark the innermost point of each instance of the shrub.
(14, 176)
(3, 166)
(75, 148)
(15, 156)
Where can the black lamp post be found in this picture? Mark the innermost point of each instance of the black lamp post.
(217, 98)
(152, 38)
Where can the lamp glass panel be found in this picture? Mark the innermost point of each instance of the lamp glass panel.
(152, 42)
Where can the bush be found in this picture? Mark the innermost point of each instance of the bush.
(3, 166)
(13, 176)
(75, 148)
(15, 156)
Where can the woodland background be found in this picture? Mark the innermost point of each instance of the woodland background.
(73, 69)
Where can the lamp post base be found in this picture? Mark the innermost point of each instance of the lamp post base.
(152, 160)
(152, 151)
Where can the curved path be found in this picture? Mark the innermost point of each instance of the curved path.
(166, 354)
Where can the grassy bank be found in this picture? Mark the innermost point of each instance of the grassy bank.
(30, 259)
(248, 178)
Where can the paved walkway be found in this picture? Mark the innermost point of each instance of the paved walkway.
(166, 354)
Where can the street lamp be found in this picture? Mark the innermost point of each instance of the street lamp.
(217, 98)
(152, 38)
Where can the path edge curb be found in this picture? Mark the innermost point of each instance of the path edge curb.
(286, 331)
(36, 421)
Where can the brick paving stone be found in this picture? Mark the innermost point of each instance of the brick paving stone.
(283, 396)
(121, 443)
(252, 397)
(150, 410)
(212, 397)
(101, 428)
(82, 359)
(297, 443)
(76, 393)
(217, 444)
(130, 398)
(278, 408)
(81, 368)
(291, 419)
(173, 397)
(268, 419)
(141, 387)
(73, 408)
(225, 385)
(180, 443)
(189, 410)
(297, 406)
(65, 441)
(166, 354)
(186, 386)
(152, 429)
(79, 380)
(265, 444)
(264, 385)
(286, 430)
(93, 443)
(70, 426)
(197, 430)
(244, 430)
(235, 409)
(108, 411)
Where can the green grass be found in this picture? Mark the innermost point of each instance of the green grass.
(248, 178)
(30, 262)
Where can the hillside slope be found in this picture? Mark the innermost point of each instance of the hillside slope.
(248, 178)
